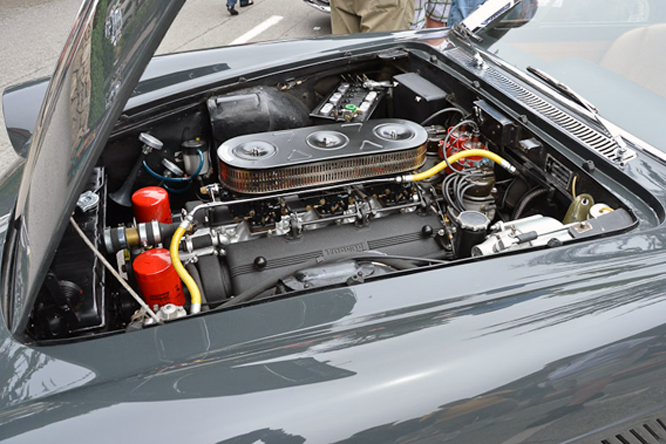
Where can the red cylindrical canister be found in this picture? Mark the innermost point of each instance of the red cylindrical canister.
(151, 203)
(158, 281)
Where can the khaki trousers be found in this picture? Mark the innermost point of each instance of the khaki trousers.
(354, 16)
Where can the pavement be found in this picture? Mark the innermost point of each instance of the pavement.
(33, 33)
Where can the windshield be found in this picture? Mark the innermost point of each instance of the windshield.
(609, 51)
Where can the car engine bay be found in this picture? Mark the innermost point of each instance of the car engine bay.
(328, 175)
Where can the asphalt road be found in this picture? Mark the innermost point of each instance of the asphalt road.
(33, 33)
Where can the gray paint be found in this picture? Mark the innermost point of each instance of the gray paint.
(486, 358)
(543, 346)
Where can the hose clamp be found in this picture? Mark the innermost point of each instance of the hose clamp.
(143, 235)
(157, 234)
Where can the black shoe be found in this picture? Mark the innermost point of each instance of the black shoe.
(232, 10)
(247, 3)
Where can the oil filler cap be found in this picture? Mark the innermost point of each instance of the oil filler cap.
(473, 221)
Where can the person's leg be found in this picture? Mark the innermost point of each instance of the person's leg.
(344, 19)
(386, 15)
(460, 9)
(456, 13)
(231, 7)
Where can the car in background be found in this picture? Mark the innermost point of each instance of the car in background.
(320, 5)
(451, 235)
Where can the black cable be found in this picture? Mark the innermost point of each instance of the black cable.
(508, 189)
(461, 194)
(397, 261)
(458, 184)
(440, 112)
(391, 260)
(445, 188)
(526, 201)
(454, 190)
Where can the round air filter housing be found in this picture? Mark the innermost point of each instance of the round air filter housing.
(393, 131)
(327, 140)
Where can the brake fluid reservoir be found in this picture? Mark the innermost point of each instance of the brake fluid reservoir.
(196, 157)
(157, 278)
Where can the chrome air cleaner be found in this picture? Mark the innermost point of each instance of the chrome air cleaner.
(306, 157)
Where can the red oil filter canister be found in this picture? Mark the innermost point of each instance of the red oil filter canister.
(151, 203)
(157, 278)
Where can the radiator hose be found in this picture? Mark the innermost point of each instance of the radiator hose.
(454, 158)
(187, 279)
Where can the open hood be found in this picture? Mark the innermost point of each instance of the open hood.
(487, 13)
(106, 53)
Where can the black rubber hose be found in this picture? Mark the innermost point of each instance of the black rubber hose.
(197, 279)
(398, 262)
(526, 201)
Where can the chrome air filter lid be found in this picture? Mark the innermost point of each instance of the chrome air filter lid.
(306, 157)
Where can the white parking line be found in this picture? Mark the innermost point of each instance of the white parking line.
(261, 27)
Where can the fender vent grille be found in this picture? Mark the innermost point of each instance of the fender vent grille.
(645, 430)
(601, 143)
(651, 432)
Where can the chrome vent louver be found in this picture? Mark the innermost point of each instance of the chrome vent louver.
(648, 433)
(649, 430)
(599, 142)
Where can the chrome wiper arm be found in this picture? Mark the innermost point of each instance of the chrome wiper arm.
(487, 13)
(465, 31)
(461, 35)
(573, 95)
(561, 87)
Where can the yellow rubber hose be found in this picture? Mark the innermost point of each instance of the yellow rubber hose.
(456, 157)
(195, 294)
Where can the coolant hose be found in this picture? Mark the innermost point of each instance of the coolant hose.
(456, 157)
(189, 282)
(192, 270)
(525, 201)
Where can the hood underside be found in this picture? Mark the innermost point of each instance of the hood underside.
(105, 54)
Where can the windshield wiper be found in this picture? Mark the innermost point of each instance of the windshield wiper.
(465, 32)
(564, 89)
(573, 95)
(487, 13)
(462, 37)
